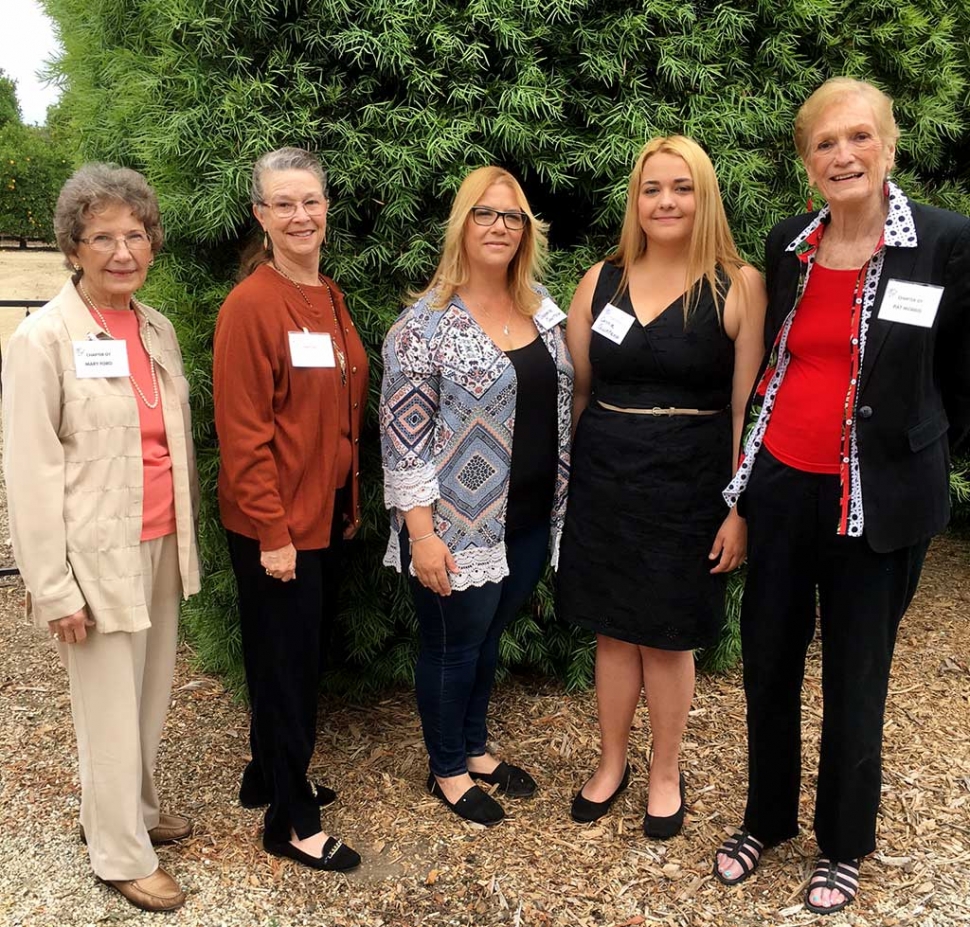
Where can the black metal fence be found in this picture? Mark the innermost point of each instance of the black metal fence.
(26, 305)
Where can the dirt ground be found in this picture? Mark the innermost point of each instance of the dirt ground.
(424, 866)
(27, 275)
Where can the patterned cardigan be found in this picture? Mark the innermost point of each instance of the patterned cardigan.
(447, 417)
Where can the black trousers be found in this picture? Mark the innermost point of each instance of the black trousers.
(793, 551)
(284, 633)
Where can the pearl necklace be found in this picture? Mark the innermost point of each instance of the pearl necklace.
(147, 346)
(341, 357)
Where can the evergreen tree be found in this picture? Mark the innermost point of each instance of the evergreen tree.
(401, 98)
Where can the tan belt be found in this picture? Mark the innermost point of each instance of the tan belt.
(656, 410)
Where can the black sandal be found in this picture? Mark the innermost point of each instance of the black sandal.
(843, 877)
(744, 849)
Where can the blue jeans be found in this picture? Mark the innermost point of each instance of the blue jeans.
(459, 638)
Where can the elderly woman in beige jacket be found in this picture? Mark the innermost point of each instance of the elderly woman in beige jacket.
(102, 491)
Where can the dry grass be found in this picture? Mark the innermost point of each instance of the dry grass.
(422, 865)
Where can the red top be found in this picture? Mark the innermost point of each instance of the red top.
(288, 435)
(805, 428)
(158, 501)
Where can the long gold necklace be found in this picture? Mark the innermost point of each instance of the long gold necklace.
(341, 358)
(147, 346)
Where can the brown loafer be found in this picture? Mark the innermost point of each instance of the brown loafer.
(157, 892)
(170, 827)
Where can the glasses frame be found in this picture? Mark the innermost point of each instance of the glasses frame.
(89, 241)
(274, 208)
(498, 213)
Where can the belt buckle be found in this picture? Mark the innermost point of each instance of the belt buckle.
(656, 410)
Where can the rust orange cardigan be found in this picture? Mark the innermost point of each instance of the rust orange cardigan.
(279, 425)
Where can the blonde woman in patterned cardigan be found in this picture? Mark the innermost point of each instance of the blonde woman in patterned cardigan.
(475, 364)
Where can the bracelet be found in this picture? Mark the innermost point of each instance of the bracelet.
(424, 537)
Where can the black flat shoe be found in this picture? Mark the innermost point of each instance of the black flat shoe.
(475, 805)
(250, 797)
(584, 811)
(337, 856)
(657, 828)
(511, 780)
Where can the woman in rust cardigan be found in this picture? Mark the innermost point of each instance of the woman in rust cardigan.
(290, 383)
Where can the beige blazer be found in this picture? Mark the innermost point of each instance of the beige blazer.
(73, 468)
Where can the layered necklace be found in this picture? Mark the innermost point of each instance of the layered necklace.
(147, 346)
(341, 357)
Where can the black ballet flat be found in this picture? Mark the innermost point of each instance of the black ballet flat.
(511, 780)
(663, 828)
(584, 811)
(337, 856)
(475, 805)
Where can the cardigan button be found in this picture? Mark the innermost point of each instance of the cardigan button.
(356, 404)
(865, 412)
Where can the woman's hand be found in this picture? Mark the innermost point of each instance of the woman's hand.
(280, 564)
(350, 529)
(730, 543)
(432, 563)
(73, 628)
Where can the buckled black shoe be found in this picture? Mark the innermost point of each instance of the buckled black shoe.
(336, 857)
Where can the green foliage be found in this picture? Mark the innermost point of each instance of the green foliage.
(401, 98)
(960, 492)
(32, 171)
(9, 104)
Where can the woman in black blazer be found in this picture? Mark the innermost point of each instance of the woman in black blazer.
(844, 474)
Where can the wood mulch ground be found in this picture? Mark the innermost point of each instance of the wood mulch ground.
(422, 865)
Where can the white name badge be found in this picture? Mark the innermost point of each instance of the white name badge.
(910, 303)
(613, 323)
(549, 315)
(311, 349)
(100, 358)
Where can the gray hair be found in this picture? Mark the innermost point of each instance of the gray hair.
(96, 186)
(285, 159)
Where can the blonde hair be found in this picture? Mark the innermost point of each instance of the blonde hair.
(711, 243)
(526, 266)
(835, 90)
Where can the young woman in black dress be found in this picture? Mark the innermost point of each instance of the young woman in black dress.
(666, 338)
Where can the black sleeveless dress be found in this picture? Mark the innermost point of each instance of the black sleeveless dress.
(645, 491)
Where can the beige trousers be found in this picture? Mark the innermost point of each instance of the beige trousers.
(121, 684)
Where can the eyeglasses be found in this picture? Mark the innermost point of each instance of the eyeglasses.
(134, 241)
(285, 210)
(513, 220)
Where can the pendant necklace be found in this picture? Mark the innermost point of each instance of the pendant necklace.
(341, 357)
(508, 319)
(147, 346)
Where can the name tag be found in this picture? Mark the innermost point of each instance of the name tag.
(910, 303)
(613, 323)
(549, 315)
(97, 358)
(311, 349)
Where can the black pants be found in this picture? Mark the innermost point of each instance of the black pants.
(793, 551)
(283, 636)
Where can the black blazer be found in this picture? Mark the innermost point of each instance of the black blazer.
(913, 405)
